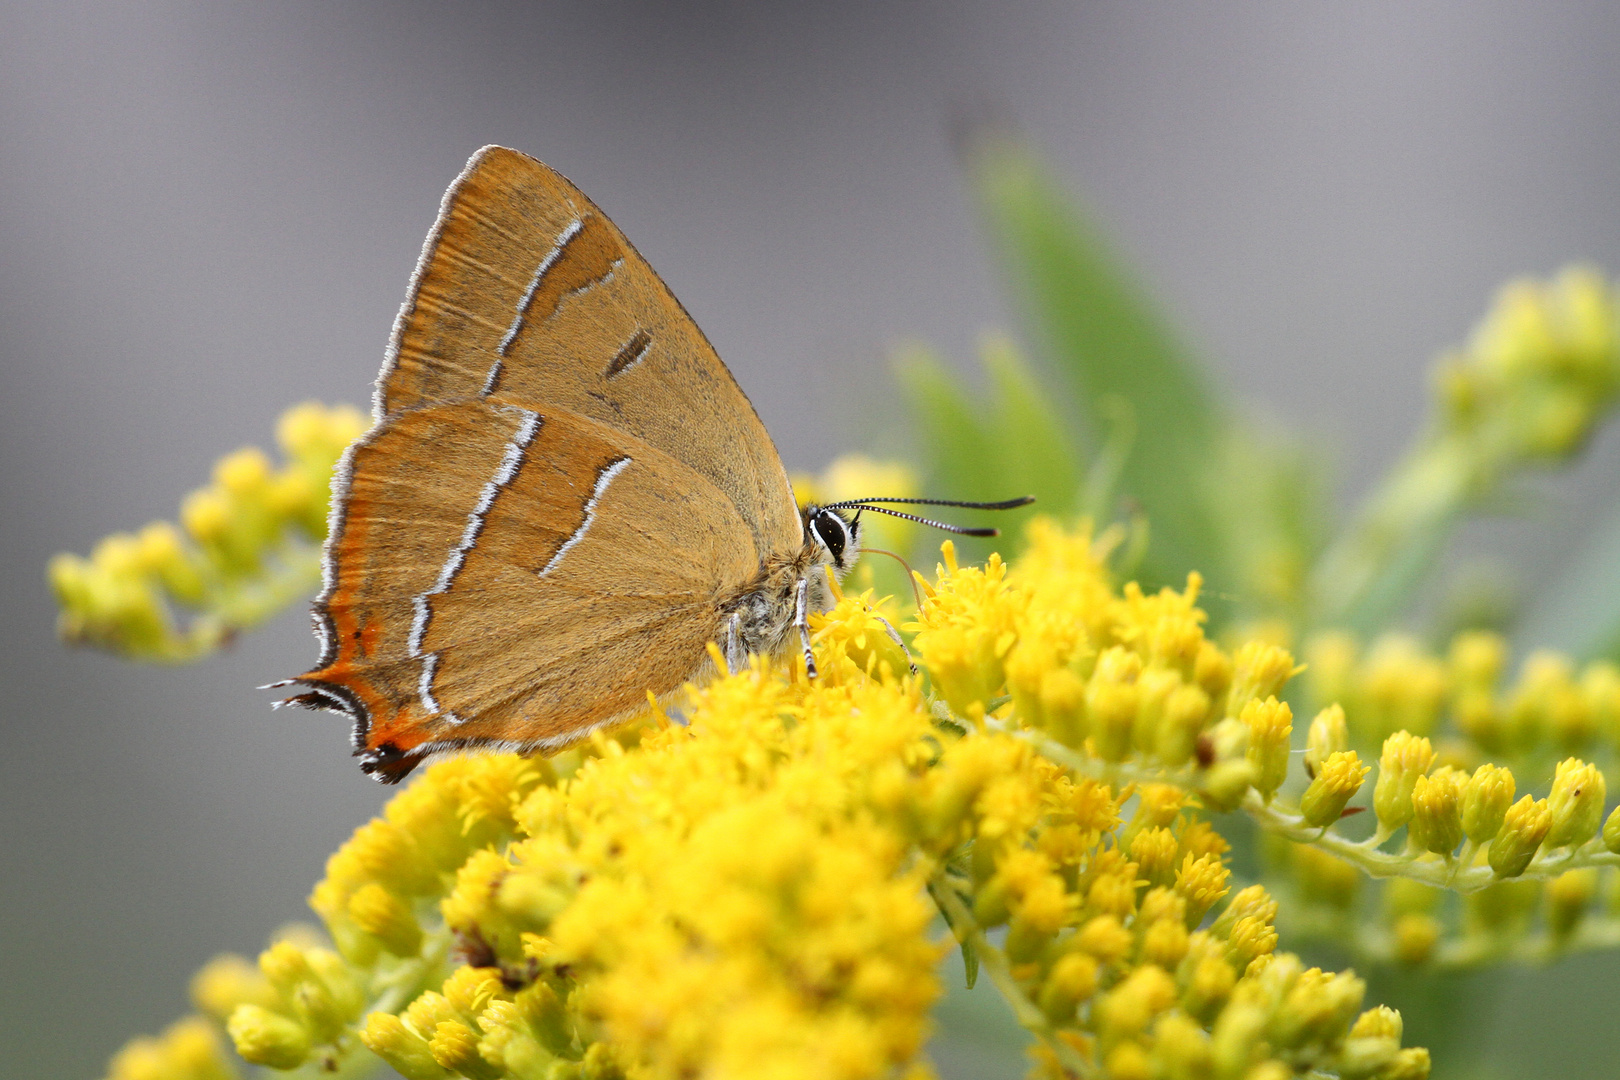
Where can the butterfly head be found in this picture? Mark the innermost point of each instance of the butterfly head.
(835, 540)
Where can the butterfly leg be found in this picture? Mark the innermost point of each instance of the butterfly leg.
(801, 619)
(736, 654)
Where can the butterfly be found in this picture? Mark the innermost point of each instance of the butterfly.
(564, 499)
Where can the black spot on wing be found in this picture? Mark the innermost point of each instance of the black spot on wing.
(630, 354)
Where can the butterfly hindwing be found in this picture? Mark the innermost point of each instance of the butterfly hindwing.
(559, 571)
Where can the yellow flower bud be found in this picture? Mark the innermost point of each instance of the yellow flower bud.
(1436, 823)
(1251, 938)
(1405, 758)
(1486, 798)
(1259, 670)
(1478, 716)
(1611, 832)
(1569, 895)
(1128, 1060)
(509, 1043)
(1027, 938)
(1164, 942)
(1154, 687)
(1154, 851)
(390, 855)
(1327, 734)
(1374, 1040)
(1477, 659)
(266, 1038)
(1378, 1022)
(547, 1017)
(1186, 711)
(1253, 900)
(164, 555)
(406, 1052)
(1062, 701)
(285, 966)
(1270, 724)
(1073, 979)
(1338, 779)
(1325, 878)
(382, 914)
(1209, 985)
(471, 989)
(1157, 806)
(227, 981)
(1223, 786)
(1402, 687)
(1111, 702)
(1212, 670)
(188, 1050)
(1237, 1037)
(1318, 1009)
(1201, 881)
(1181, 1049)
(454, 1046)
(1415, 938)
(1523, 828)
(243, 473)
(1600, 686)
(1547, 703)
(1576, 803)
(1127, 1010)
(1105, 938)
(1411, 1063)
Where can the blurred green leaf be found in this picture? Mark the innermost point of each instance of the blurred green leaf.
(950, 428)
(996, 445)
(1037, 455)
(1109, 340)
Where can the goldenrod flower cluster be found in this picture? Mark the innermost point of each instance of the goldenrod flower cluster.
(247, 546)
(1539, 374)
(1435, 722)
(746, 889)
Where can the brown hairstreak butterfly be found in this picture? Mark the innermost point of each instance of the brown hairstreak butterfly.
(564, 499)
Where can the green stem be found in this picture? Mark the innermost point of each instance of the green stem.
(996, 965)
(1367, 572)
(1278, 819)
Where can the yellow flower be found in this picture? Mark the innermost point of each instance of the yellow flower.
(1337, 780)
(248, 549)
(749, 892)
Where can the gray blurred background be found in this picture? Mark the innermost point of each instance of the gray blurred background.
(210, 212)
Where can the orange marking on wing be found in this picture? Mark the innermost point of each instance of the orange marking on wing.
(340, 605)
(398, 729)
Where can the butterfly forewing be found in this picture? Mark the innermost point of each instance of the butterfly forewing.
(502, 576)
(528, 294)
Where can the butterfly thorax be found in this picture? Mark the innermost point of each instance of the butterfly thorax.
(759, 617)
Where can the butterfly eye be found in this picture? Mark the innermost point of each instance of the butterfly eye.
(829, 530)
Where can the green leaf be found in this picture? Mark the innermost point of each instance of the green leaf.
(959, 453)
(1110, 342)
(970, 955)
(1038, 457)
(955, 441)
